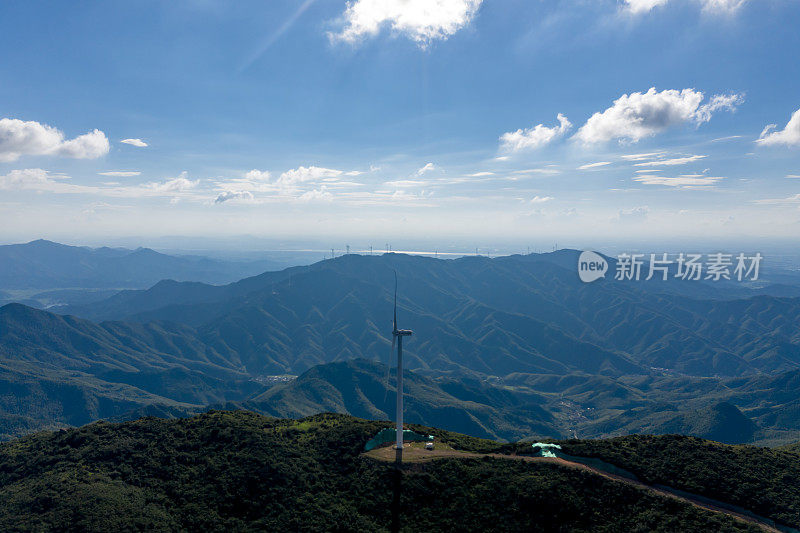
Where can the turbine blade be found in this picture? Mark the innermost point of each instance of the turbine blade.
(394, 322)
(386, 374)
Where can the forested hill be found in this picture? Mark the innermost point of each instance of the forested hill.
(237, 471)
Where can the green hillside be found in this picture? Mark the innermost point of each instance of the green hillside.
(237, 471)
(366, 389)
(762, 480)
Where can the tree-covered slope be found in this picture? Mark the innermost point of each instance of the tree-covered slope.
(762, 480)
(243, 472)
(366, 389)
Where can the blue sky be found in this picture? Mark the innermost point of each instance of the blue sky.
(379, 118)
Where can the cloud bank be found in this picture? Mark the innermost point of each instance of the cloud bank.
(29, 179)
(18, 138)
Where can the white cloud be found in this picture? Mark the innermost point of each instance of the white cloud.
(406, 183)
(258, 175)
(727, 138)
(594, 165)
(788, 136)
(87, 146)
(316, 195)
(718, 102)
(427, 168)
(422, 21)
(179, 184)
(18, 138)
(29, 179)
(120, 173)
(686, 181)
(541, 199)
(671, 162)
(643, 6)
(711, 6)
(722, 6)
(226, 196)
(39, 180)
(307, 174)
(793, 176)
(253, 181)
(641, 157)
(635, 116)
(795, 198)
(94, 207)
(536, 137)
(480, 174)
(547, 171)
(293, 183)
(135, 142)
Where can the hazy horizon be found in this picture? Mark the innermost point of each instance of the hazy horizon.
(782, 253)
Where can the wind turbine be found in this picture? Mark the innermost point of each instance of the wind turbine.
(397, 336)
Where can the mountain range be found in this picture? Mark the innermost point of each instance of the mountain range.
(47, 274)
(508, 348)
(493, 316)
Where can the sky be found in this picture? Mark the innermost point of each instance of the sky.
(371, 120)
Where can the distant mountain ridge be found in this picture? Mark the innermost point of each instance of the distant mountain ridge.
(476, 304)
(47, 265)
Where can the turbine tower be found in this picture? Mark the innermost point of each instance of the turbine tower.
(397, 336)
